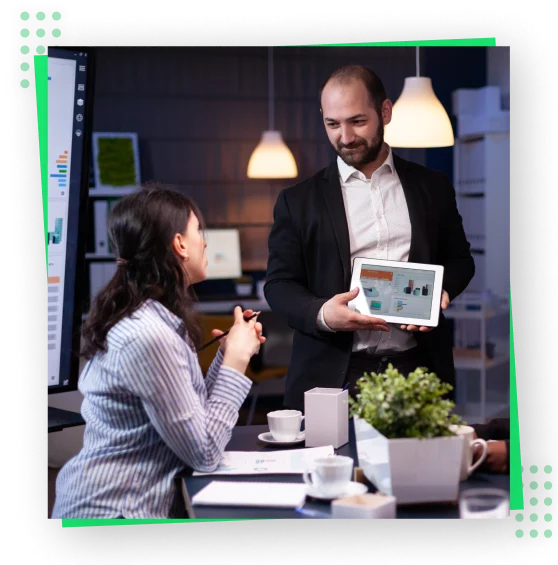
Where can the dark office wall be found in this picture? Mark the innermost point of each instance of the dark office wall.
(450, 69)
(199, 113)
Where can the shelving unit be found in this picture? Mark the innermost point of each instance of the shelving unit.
(101, 265)
(482, 183)
(477, 358)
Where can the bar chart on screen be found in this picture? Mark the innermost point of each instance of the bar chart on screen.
(59, 172)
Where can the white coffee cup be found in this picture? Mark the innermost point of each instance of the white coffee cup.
(330, 475)
(469, 443)
(284, 425)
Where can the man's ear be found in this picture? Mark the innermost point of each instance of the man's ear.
(387, 108)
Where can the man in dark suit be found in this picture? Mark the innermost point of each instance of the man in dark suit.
(368, 203)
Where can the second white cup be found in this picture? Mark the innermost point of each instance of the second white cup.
(284, 425)
(331, 475)
(469, 443)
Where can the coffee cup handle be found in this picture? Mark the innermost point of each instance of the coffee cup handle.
(484, 453)
(301, 420)
(307, 479)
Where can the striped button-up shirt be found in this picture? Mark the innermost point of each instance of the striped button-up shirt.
(149, 414)
(379, 228)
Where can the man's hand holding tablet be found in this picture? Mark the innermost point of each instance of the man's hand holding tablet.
(445, 303)
(339, 317)
(398, 292)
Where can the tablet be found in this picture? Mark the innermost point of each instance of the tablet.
(398, 292)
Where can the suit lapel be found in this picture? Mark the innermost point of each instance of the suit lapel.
(336, 210)
(417, 214)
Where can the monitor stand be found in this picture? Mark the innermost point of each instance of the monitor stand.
(59, 419)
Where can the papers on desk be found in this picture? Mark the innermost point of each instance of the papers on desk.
(231, 493)
(294, 461)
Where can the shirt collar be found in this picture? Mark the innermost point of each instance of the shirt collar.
(346, 171)
(167, 316)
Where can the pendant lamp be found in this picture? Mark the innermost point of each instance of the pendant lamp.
(418, 117)
(271, 159)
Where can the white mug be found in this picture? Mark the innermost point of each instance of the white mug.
(469, 443)
(331, 475)
(284, 425)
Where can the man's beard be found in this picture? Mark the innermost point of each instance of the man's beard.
(371, 152)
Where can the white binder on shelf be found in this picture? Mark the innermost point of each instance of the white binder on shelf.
(100, 217)
(100, 273)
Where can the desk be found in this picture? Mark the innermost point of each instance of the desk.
(245, 438)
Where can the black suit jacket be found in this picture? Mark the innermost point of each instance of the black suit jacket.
(310, 261)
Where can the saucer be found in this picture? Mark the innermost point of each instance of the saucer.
(353, 489)
(267, 438)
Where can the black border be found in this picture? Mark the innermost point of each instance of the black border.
(69, 360)
(533, 157)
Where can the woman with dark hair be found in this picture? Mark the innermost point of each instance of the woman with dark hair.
(149, 412)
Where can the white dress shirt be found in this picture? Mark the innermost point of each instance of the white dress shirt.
(379, 228)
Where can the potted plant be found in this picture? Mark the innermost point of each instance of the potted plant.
(404, 442)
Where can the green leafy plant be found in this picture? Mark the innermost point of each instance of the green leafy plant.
(405, 407)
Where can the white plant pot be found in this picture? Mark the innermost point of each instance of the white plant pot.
(412, 470)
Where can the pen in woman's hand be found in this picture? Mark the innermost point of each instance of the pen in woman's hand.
(215, 339)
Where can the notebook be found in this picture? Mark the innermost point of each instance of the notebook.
(231, 493)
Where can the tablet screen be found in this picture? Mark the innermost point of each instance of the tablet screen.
(397, 291)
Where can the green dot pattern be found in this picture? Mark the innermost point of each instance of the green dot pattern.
(534, 501)
(41, 50)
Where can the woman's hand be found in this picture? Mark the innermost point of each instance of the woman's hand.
(243, 341)
(223, 342)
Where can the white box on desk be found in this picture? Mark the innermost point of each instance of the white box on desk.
(326, 412)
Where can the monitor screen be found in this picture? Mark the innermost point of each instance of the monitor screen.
(223, 253)
(70, 93)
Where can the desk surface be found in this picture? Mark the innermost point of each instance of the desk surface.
(245, 438)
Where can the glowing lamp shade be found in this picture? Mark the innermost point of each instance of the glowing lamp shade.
(418, 117)
(272, 159)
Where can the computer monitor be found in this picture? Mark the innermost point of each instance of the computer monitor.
(223, 254)
(70, 104)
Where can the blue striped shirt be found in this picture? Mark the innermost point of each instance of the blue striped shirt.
(149, 414)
